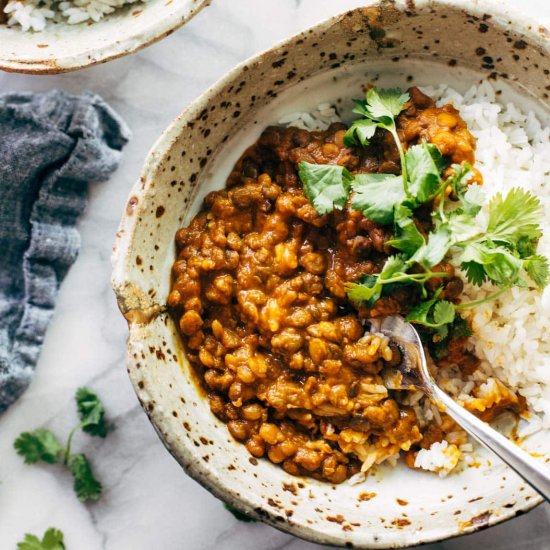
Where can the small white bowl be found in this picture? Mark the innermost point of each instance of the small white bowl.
(453, 41)
(63, 47)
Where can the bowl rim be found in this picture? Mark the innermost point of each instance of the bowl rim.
(109, 51)
(507, 16)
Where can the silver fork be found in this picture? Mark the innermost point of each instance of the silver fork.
(413, 373)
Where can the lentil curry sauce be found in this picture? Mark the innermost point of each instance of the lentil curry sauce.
(258, 294)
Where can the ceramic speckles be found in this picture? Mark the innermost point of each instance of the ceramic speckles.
(401, 43)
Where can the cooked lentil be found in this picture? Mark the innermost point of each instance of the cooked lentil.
(258, 294)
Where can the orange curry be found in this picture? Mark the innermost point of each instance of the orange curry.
(258, 293)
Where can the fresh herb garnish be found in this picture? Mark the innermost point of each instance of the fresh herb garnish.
(376, 195)
(434, 313)
(86, 486)
(380, 108)
(503, 252)
(52, 540)
(326, 186)
(42, 444)
(459, 328)
(407, 237)
(370, 288)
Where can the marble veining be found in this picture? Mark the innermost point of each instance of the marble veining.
(148, 502)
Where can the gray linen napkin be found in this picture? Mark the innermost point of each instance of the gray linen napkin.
(51, 146)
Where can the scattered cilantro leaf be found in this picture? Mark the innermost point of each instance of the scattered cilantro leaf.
(361, 131)
(369, 289)
(38, 445)
(444, 312)
(537, 268)
(474, 273)
(431, 253)
(471, 197)
(52, 540)
(472, 200)
(526, 247)
(382, 106)
(376, 196)
(385, 104)
(433, 313)
(86, 486)
(42, 444)
(325, 185)
(462, 226)
(91, 412)
(486, 260)
(424, 165)
(237, 514)
(407, 236)
(514, 217)
(459, 328)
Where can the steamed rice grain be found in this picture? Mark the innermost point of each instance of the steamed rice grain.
(36, 15)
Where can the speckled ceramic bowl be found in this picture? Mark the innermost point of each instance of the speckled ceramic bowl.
(394, 43)
(66, 47)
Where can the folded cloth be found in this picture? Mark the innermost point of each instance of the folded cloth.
(51, 146)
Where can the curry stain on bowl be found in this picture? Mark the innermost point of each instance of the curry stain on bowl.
(449, 41)
(62, 47)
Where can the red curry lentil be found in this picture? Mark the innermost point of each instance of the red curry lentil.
(258, 294)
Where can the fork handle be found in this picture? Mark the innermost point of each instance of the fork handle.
(531, 470)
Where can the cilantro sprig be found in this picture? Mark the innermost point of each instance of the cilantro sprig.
(43, 445)
(503, 252)
(52, 540)
(379, 109)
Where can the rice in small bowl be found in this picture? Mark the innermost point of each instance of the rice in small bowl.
(53, 36)
(316, 74)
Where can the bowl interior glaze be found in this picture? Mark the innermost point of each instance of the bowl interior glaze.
(384, 44)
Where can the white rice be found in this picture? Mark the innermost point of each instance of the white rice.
(511, 334)
(440, 457)
(36, 15)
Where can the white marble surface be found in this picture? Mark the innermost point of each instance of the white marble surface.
(148, 501)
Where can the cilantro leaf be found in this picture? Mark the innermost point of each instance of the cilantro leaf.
(462, 226)
(526, 247)
(537, 268)
(470, 196)
(370, 287)
(514, 217)
(407, 237)
(433, 313)
(52, 540)
(444, 313)
(485, 260)
(385, 104)
(472, 200)
(86, 486)
(325, 185)
(360, 131)
(439, 242)
(38, 445)
(474, 272)
(459, 328)
(424, 165)
(381, 106)
(376, 196)
(91, 412)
